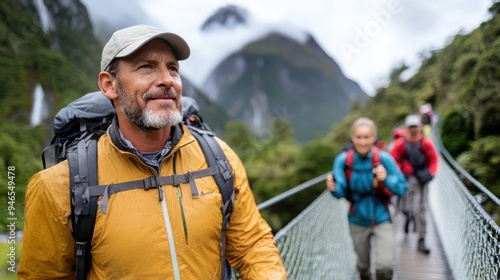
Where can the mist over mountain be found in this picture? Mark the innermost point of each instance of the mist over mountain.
(111, 15)
(279, 76)
(276, 77)
(241, 67)
(251, 68)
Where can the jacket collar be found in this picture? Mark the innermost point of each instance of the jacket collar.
(114, 134)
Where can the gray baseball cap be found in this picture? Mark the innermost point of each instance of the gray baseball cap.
(126, 41)
(412, 120)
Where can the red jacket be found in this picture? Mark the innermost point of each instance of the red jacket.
(427, 147)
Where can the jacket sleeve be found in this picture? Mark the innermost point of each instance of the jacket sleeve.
(250, 245)
(395, 179)
(431, 155)
(48, 246)
(339, 174)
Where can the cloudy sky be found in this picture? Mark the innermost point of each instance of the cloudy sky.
(367, 38)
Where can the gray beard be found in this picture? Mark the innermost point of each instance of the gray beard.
(148, 120)
(145, 119)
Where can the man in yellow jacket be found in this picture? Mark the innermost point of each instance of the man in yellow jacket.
(147, 234)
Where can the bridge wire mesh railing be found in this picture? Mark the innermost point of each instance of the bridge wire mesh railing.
(469, 236)
(316, 244)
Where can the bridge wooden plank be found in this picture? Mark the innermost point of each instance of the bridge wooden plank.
(413, 265)
(410, 264)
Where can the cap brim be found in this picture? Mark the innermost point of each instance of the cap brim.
(412, 124)
(180, 47)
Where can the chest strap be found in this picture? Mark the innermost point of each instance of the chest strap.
(151, 182)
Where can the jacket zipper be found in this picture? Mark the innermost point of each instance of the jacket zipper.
(179, 198)
(168, 226)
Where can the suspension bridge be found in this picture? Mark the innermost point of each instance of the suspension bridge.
(464, 239)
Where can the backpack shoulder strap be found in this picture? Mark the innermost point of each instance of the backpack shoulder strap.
(83, 173)
(349, 161)
(375, 156)
(375, 162)
(215, 156)
(382, 191)
(405, 145)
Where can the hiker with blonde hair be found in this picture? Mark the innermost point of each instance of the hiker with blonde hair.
(367, 177)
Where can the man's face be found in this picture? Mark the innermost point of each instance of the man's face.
(150, 87)
(414, 130)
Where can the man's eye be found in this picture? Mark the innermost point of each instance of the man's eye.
(174, 68)
(146, 66)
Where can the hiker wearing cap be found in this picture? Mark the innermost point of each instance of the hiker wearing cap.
(368, 177)
(159, 231)
(417, 159)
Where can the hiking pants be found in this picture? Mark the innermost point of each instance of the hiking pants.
(383, 243)
(414, 203)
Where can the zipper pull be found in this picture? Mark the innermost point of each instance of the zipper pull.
(178, 191)
(160, 193)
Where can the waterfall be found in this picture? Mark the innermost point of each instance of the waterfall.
(37, 112)
(46, 19)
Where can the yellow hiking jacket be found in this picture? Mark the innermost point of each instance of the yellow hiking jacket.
(131, 241)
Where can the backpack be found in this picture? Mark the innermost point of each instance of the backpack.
(380, 191)
(77, 128)
(416, 157)
(413, 153)
(190, 114)
(426, 118)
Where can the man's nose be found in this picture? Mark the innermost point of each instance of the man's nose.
(165, 77)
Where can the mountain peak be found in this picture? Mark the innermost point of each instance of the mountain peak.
(229, 16)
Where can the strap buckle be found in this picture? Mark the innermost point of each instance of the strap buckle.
(80, 248)
(151, 183)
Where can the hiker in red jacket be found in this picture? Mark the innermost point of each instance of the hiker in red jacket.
(417, 158)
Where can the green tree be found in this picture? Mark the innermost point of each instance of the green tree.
(456, 132)
(239, 137)
(482, 161)
(19, 145)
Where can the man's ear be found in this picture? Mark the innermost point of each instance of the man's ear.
(107, 85)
